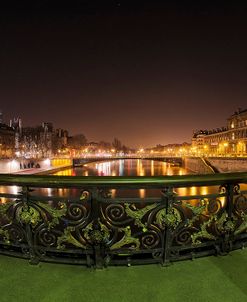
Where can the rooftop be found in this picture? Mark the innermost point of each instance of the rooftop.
(239, 112)
(5, 127)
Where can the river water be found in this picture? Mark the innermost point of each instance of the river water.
(125, 167)
(135, 167)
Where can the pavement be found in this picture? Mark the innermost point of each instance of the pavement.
(49, 170)
(30, 171)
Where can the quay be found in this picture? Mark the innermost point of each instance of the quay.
(198, 165)
(46, 166)
(42, 171)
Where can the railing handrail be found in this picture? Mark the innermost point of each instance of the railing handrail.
(117, 181)
(93, 228)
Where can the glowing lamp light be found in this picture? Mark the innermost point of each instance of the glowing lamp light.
(47, 162)
(14, 164)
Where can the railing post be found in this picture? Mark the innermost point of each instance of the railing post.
(97, 244)
(230, 196)
(28, 228)
(167, 198)
(226, 245)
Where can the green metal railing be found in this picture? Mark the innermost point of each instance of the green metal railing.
(81, 220)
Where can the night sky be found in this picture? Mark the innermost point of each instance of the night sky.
(144, 72)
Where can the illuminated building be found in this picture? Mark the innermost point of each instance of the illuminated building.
(226, 141)
(7, 141)
(16, 124)
(46, 139)
(62, 138)
(37, 141)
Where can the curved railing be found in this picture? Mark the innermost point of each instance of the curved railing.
(100, 221)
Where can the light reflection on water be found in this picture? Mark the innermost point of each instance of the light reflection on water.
(128, 167)
(125, 167)
(131, 167)
(10, 190)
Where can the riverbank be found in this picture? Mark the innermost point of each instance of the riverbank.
(229, 164)
(34, 166)
(209, 165)
(42, 171)
(195, 165)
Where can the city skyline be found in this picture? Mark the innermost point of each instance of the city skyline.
(55, 128)
(145, 74)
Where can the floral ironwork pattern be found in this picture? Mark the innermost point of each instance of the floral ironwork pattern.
(100, 228)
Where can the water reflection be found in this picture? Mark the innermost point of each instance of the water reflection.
(125, 167)
(139, 167)
(66, 172)
(128, 167)
(8, 190)
(140, 170)
(196, 190)
(121, 167)
(103, 169)
(152, 168)
(142, 193)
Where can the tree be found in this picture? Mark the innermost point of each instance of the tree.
(105, 145)
(125, 149)
(116, 144)
(77, 141)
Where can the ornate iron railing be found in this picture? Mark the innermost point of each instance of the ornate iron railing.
(80, 220)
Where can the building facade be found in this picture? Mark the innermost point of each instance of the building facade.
(226, 141)
(37, 142)
(7, 141)
(16, 124)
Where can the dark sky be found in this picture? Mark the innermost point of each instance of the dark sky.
(144, 72)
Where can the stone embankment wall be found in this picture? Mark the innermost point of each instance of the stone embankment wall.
(197, 165)
(229, 164)
(16, 165)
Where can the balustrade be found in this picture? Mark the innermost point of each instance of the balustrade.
(78, 220)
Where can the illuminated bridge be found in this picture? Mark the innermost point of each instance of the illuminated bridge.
(77, 220)
(82, 161)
